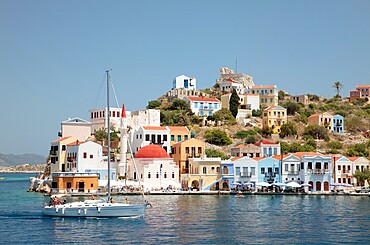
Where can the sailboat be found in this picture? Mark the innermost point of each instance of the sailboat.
(98, 208)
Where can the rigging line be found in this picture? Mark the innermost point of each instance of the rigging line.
(115, 95)
(98, 95)
(133, 160)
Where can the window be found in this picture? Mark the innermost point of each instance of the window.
(339, 167)
(69, 185)
(217, 169)
(185, 137)
(309, 165)
(173, 175)
(286, 167)
(85, 155)
(148, 175)
(262, 170)
(165, 175)
(172, 137)
(204, 170)
(165, 137)
(178, 138)
(146, 137)
(237, 170)
(157, 175)
(63, 147)
(91, 156)
(253, 171)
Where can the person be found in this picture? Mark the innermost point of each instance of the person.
(64, 201)
(126, 201)
(111, 200)
(92, 197)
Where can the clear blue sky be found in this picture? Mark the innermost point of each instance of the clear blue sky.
(53, 54)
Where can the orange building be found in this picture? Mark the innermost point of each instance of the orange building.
(75, 182)
(182, 151)
(361, 91)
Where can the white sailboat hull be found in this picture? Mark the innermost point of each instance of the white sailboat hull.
(102, 209)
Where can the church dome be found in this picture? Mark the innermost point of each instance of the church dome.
(151, 151)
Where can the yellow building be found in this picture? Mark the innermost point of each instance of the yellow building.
(178, 133)
(75, 182)
(186, 149)
(204, 174)
(268, 94)
(57, 153)
(274, 117)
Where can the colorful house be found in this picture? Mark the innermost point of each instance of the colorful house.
(290, 168)
(269, 169)
(245, 171)
(146, 135)
(203, 106)
(274, 117)
(227, 172)
(183, 151)
(268, 94)
(178, 134)
(58, 155)
(338, 124)
(324, 119)
(361, 91)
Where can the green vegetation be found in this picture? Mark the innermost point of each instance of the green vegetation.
(362, 176)
(216, 153)
(234, 103)
(316, 132)
(288, 129)
(224, 116)
(217, 137)
(361, 150)
(338, 86)
(244, 134)
(153, 104)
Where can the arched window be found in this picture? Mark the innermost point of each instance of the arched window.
(173, 175)
(204, 170)
(148, 175)
(157, 175)
(134, 175)
(217, 169)
(165, 175)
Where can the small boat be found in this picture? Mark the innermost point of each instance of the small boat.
(97, 208)
(239, 194)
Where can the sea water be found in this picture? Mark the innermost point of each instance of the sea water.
(191, 219)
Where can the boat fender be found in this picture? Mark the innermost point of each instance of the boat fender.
(98, 209)
(56, 210)
(85, 211)
(62, 210)
(79, 211)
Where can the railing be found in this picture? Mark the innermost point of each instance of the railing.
(293, 172)
(270, 175)
(53, 152)
(247, 174)
(319, 171)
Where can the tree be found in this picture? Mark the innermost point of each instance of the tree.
(234, 103)
(224, 115)
(153, 104)
(281, 95)
(217, 137)
(292, 107)
(338, 86)
(251, 139)
(290, 128)
(242, 134)
(179, 104)
(216, 153)
(362, 176)
(316, 132)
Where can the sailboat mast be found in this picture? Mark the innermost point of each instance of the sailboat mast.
(108, 121)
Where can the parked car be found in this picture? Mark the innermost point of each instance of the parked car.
(363, 189)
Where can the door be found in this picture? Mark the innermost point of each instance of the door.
(81, 186)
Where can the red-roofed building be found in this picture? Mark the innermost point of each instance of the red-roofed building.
(203, 106)
(146, 135)
(268, 94)
(262, 148)
(361, 91)
(57, 153)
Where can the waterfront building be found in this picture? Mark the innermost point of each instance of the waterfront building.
(268, 94)
(76, 127)
(203, 106)
(182, 81)
(57, 153)
(361, 91)
(182, 151)
(146, 135)
(245, 171)
(316, 170)
(343, 171)
(274, 117)
(268, 148)
(358, 164)
(268, 169)
(155, 168)
(338, 124)
(74, 182)
(227, 172)
(291, 167)
(99, 120)
(204, 175)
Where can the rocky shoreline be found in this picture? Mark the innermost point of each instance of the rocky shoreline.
(25, 168)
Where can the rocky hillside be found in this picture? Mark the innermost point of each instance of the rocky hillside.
(25, 168)
(8, 160)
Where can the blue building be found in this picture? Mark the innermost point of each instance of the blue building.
(268, 170)
(227, 172)
(338, 124)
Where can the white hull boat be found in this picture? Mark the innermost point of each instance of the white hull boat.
(92, 208)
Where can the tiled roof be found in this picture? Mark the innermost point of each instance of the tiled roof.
(178, 128)
(61, 139)
(301, 154)
(235, 158)
(258, 158)
(265, 142)
(75, 143)
(270, 108)
(352, 159)
(154, 128)
(196, 98)
(263, 86)
(240, 146)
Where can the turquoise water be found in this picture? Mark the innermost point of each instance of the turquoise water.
(190, 220)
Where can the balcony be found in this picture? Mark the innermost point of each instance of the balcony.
(53, 153)
(270, 175)
(246, 175)
(293, 172)
(318, 171)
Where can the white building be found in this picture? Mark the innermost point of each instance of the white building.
(146, 135)
(245, 171)
(185, 82)
(99, 120)
(202, 106)
(229, 84)
(290, 169)
(76, 127)
(155, 169)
